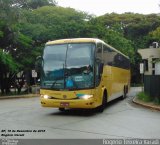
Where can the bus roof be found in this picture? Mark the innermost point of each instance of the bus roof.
(81, 40)
(74, 40)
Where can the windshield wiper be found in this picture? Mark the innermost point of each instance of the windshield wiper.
(54, 83)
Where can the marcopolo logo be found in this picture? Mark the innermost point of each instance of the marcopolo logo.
(64, 96)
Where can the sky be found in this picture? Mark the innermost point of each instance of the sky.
(101, 7)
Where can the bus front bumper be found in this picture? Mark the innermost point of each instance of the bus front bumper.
(75, 103)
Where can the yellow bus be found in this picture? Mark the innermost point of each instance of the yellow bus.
(82, 73)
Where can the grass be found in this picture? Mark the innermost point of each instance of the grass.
(157, 101)
(146, 98)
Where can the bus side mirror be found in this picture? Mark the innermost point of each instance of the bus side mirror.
(38, 63)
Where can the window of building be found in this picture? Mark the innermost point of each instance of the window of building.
(145, 64)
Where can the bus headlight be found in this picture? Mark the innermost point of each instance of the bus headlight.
(46, 96)
(84, 96)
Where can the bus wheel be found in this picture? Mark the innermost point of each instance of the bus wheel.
(124, 93)
(61, 109)
(103, 105)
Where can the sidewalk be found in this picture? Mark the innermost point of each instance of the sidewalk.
(149, 105)
(19, 96)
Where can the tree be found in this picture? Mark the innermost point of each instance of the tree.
(26, 25)
(134, 27)
(49, 23)
(12, 44)
(34, 4)
(7, 64)
(155, 35)
(8, 18)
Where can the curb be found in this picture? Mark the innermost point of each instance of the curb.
(19, 96)
(144, 104)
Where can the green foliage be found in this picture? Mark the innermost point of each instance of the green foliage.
(1, 34)
(122, 44)
(50, 23)
(8, 12)
(24, 41)
(155, 35)
(50, 16)
(144, 97)
(7, 60)
(34, 31)
(34, 4)
(134, 27)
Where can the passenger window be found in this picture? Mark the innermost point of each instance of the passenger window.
(108, 56)
(113, 58)
(118, 60)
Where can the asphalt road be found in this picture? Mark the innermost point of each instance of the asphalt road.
(25, 118)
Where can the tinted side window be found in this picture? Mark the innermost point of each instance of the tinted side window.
(108, 55)
(113, 58)
(121, 61)
(126, 63)
(118, 60)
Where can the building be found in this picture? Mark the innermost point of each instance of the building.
(151, 79)
(151, 59)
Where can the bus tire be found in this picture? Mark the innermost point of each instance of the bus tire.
(103, 105)
(61, 109)
(125, 91)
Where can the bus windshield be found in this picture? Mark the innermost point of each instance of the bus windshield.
(68, 66)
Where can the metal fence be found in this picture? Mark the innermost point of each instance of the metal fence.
(152, 85)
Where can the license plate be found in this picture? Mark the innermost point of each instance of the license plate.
(64, 104)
